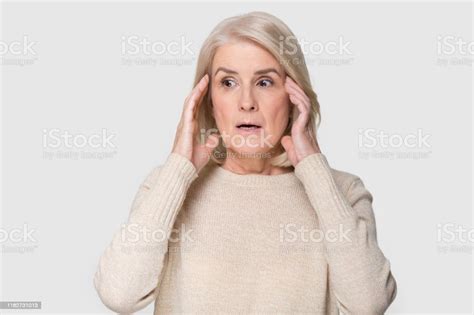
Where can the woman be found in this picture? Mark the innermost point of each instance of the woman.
(246, 215)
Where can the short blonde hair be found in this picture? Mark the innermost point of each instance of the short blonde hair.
(273, 35)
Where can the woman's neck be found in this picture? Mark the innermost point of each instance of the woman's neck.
(252, 164)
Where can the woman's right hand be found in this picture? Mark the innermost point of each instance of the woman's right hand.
(186, 143)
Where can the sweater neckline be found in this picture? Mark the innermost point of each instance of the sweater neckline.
(285, 179)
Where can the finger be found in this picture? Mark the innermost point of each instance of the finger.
(295, 89)
(195, 104)
(302, 119)
(306, 102)
(212, 142)
(302, 103)
(200, 98)
(295, 85)
(303, 109)
(301, 100)
(201, 87)
(194, 97)
(287, 143)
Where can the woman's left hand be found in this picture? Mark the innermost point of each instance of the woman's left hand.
(299, 144)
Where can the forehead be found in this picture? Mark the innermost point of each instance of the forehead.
(245, 57)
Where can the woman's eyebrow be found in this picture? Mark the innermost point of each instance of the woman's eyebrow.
(263, 71)
(225, 70)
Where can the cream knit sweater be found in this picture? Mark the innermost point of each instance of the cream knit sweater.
(293, 243)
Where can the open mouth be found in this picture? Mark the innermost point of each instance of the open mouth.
(248, 127)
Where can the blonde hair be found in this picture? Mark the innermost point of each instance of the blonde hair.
(272, 34)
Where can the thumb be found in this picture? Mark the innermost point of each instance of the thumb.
(211, 143)
(288, 145)
(202, 152)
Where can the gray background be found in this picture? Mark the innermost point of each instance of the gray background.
(393, 79)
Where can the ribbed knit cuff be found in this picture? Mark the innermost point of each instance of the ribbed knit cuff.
(166, 196)
(331, 205)
(181, 165)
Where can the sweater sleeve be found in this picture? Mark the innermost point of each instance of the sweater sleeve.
(359, 273)
(130, 269)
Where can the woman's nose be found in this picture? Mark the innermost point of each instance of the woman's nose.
(247, 102)
(248, 107)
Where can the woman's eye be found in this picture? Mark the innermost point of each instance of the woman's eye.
(265, 82)
(227, 83)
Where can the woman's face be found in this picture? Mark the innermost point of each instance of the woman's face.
(247, 86)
